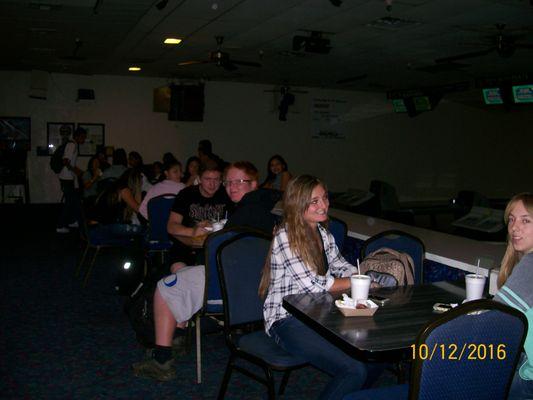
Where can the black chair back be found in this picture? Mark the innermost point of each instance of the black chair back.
(240, 262)
(339, 230)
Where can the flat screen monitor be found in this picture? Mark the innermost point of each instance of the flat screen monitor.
(492, 96)
(523, 93)
(399, 106)
(422, 103)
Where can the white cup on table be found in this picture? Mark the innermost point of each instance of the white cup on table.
(217, 226)
(360, 284)
(475, 284)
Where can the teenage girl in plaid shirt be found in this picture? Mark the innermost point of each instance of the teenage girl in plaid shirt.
(305, 259)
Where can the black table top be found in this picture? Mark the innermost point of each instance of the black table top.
(387, 334)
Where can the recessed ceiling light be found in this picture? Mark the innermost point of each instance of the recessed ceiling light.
(134, 69)
(172, 41)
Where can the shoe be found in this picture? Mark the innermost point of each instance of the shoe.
(150, 368)
(62, 230)
(180, 346)
(74, 225)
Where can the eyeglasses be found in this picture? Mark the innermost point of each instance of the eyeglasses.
(236, 182)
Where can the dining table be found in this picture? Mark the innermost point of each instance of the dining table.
(388, 334)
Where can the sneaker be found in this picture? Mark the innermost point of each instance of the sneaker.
(62, 230)
(150, 368)
(180, 346)
(74, 225)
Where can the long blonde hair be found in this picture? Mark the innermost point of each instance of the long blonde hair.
(511, 256)
(304, 241)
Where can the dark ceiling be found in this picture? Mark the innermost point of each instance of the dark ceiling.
(375, 45)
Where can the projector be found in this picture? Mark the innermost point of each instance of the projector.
(311, 44)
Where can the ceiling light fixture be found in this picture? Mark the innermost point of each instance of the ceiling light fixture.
(134, 69)
(162, 4)
(172, 41)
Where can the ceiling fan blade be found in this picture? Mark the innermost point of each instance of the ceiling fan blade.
(246, 63)
(524, 46)
(351, 79)
(192, 62)
(463, 56)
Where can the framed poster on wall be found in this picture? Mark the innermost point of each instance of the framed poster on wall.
(95, 138)
(58, 133)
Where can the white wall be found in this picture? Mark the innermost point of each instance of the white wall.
(431, 156)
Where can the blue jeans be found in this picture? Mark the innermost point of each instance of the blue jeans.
(72, 208)
(520, 388)
(348, 374)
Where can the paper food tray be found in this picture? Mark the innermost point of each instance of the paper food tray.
(357, 312)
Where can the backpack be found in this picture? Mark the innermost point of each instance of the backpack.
(389, 268)
(56, 161)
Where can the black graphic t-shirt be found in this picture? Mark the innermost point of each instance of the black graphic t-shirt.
(194, 207)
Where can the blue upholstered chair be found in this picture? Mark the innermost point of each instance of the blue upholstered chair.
(339, 230)
(212, 294)
(97, 243)
(470, 352)
(157, 240)
(400, 241)
(240, 262)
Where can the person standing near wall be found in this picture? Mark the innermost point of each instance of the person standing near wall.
(68, 178)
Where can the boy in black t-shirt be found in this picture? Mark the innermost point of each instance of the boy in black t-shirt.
(193, 209)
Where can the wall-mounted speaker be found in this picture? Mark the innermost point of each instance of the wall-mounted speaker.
(186, 103)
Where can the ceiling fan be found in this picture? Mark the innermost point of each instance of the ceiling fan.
(502, 43)
(221, 59)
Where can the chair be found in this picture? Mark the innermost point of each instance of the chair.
(339, 230)
(400, 241)
(240, 263)
(387, 203)
(212, 294)
(96, 243)
(157, 240)
(491, 333)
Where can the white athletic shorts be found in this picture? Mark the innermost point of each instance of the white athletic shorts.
(184, 291)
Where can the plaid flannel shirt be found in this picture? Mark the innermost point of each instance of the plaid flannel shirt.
(289, 274)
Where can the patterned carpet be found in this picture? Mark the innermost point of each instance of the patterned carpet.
(59, 340)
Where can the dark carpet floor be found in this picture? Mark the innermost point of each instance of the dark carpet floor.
(60, 340)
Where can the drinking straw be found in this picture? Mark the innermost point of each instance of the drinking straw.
(477, 268)
(358, 268)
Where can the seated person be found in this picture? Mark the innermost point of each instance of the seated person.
(176, 300)
(305, 259)
(114, 212)
(90, 178)
(119, 165)
(190, 176)
(278, 175)
(252, 205)
(156, 174)
(193, 210)
(171, 185)
(514, 283)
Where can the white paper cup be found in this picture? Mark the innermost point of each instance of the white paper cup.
(474, 286)
(360, 285)
(217, 226)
